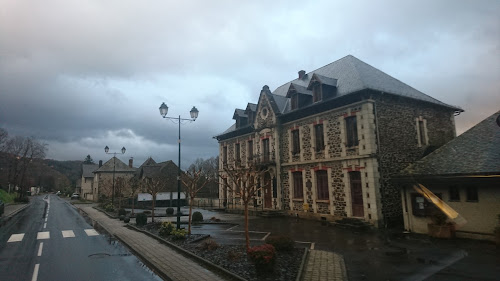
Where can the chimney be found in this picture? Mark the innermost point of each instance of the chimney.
(100, 163)
(131, 162)
(302, 73)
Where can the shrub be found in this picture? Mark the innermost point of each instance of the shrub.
(126, 219)
(141, 219)
(263, 257)
(209, 245)
(122, 212)
(281, 242)
(109, 207)
(121, 217)
(178, 234)
(170, 211)
(147, 212)
(234, 255)
(166, 228)
(197, 217)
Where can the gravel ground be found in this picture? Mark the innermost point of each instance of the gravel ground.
(234, 258)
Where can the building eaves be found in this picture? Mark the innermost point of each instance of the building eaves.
(234, 133)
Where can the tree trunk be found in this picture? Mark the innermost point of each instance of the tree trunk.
(190, 213)
(247, 235)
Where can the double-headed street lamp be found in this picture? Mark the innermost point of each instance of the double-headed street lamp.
(178, 120)
(106, 149)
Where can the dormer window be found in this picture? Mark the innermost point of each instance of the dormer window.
(322, 87)
(317, 94)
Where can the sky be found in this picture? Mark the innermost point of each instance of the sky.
(82, 75)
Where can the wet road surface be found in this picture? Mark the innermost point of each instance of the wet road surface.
(51, 241)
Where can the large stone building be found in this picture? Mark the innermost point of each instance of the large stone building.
(331, 140)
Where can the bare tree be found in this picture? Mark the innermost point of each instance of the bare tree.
(243, 182)
(209, 170)
(134, 187)
(194, 180)
(120, 186)
(153, 185)
(22, 151)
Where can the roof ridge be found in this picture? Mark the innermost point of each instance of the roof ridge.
(319, 68)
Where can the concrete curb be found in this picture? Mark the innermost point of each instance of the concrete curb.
(190, 255)
(4, 220)
(302, 265)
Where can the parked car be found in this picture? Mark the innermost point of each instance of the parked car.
(2, 207)
(75, 196)
(58, 193)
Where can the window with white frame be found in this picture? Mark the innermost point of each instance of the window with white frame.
(421, 125)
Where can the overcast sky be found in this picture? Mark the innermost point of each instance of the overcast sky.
(81, 75)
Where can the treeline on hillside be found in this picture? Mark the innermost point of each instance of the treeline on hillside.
(22, 166)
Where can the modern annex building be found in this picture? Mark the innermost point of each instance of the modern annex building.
(331, 140)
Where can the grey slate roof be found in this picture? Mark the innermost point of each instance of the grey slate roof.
(354, 75)
(149, 161)
(323, 80)
(239, 112)
(120, 167)
(476, 151)
(299, 89)
(251, 106)
(88, 170)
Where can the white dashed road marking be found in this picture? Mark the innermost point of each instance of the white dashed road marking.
(16, 238)
(45, 225)
(91, 232)
(43, 235)
(40, 249)
(35, 272)
(68, 233)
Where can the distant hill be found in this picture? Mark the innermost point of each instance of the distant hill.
(71, 169)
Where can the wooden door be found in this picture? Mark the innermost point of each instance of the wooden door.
(268, 196)
(356, 195)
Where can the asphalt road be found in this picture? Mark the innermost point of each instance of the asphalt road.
(50, 240)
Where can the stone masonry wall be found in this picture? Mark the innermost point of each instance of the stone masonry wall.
(399, 144)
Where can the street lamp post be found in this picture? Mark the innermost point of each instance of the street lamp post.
(178, 120)
(106, 149)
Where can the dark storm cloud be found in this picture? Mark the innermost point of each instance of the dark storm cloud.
(85, 74)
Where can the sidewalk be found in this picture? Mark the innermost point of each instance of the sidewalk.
(10, 211)
(165, 261)
(323, 265)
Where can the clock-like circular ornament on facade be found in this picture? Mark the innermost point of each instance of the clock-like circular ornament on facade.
(264, 112)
